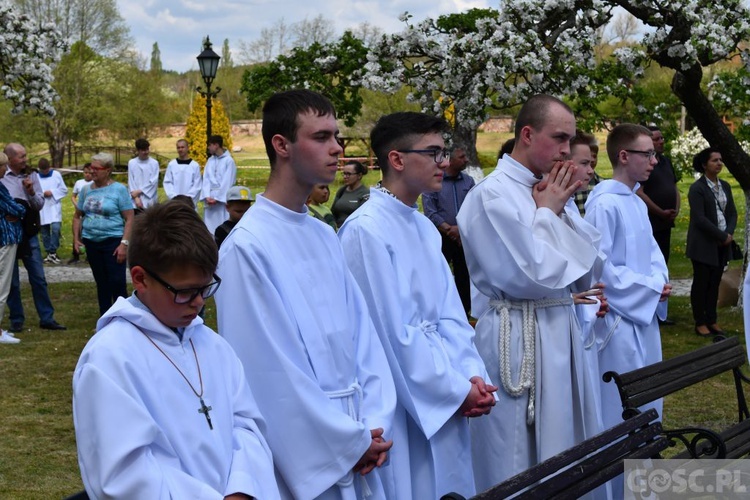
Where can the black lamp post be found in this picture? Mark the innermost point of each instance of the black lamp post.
(208, 62)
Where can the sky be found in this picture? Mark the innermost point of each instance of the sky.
(178, 26)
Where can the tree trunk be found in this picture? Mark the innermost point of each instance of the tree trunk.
(468, 137)
(687, 87)
(741, 290)
(56, 141)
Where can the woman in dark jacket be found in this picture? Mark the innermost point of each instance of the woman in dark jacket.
(713, 218)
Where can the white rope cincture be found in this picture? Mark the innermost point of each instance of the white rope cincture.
(353, 412)
(527, 372)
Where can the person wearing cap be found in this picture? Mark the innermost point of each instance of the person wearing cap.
(239, 199)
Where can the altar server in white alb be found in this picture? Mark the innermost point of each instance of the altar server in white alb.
(161, 404)
(55, 190)
(635, 272)
(293, 312)
(183, 175)
(395, 255)
(526, 253)
(143, 176)
(219, 174)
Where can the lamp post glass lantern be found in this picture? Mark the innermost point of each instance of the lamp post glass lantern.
(208, 62)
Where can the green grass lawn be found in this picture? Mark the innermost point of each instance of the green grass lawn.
(38, 458)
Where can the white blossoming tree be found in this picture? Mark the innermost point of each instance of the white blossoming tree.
(28, 53)
(495, 59)
(485, 59)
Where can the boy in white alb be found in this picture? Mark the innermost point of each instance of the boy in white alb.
(183, 175)
(395, 255)
(161, 405)
(635, 272)
(219, 175)
(298, 321)
(143, 176)
(54, 190)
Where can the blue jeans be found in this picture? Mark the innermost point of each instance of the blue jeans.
(51, 236)
(42, 302)
(108, 274)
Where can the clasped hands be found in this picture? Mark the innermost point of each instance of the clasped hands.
(556, 188)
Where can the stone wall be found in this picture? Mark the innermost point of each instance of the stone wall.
(239, 128)
(252, 127)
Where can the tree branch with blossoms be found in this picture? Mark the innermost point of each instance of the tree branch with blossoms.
(28, 53)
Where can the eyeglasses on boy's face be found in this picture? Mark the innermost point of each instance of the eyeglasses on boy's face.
(651, 154)
(187, 295)
(439, 155)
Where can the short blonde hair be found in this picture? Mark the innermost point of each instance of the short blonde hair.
(3, 159)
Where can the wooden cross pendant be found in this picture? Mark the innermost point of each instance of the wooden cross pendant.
(205, 409)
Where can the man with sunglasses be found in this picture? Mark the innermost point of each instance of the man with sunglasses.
(394, 253)
(527, 252)
(161, 404)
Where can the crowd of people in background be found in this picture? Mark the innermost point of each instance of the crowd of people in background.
(346, 364)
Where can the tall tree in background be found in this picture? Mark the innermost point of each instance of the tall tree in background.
(97, 23)
(195, 132)
(226, 55)
(281, 38)
(155, 66)
(330, 69)
(95, 30)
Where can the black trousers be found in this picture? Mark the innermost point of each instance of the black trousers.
(454, 254)
(663, 238)
(704, 294)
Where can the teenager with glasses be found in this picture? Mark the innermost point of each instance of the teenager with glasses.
(352, 194)
(161, 404)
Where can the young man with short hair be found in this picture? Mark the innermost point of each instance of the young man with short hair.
(526, 254)
(143, 176)
(635, 271)
(54, 190)
(183, 175)
(395, 255)
(219, 175)
(161, 404)
(293, 312)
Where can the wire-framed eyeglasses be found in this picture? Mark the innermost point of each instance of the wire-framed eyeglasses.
(651, 154)
(439, 155)
(187, 295)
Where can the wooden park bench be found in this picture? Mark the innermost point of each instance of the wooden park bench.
(584, 467)
(645, 385)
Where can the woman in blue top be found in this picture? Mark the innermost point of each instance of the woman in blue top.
(102, 222)
(11, 234)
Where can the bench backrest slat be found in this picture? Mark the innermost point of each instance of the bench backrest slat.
(606, 447)
(658, 386)
(652, 382)
(596, 469)
(690, 357)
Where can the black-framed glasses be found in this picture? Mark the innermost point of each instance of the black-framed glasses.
(348, 174)
(439, 155)
(651, 154)
(187, 295)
